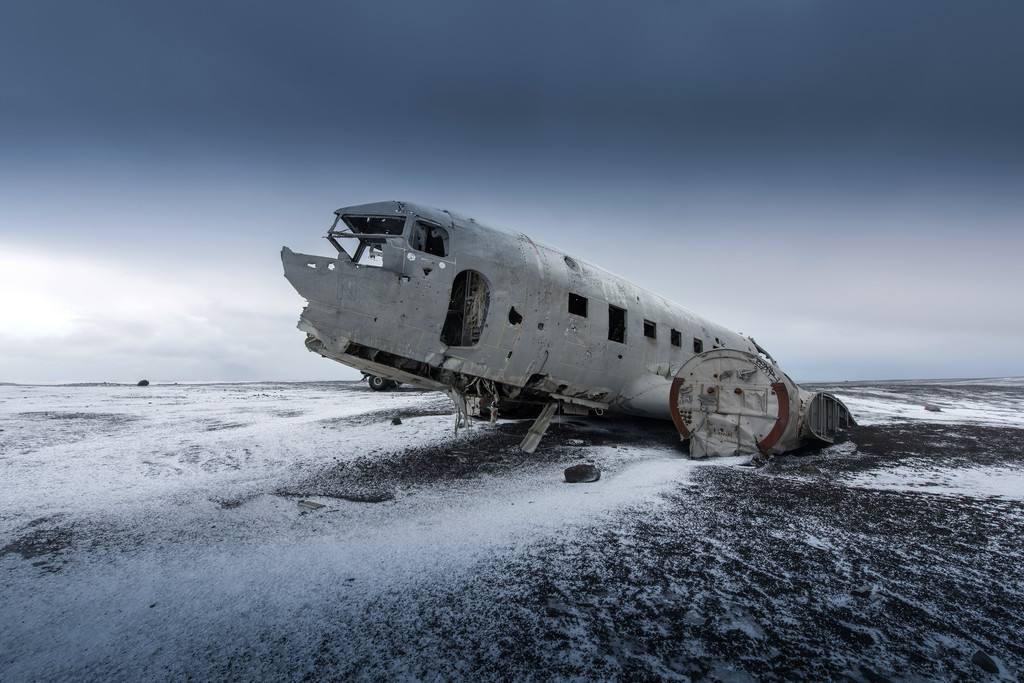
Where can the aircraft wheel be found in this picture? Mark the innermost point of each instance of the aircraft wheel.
(378, 383)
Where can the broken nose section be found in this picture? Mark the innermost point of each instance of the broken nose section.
(316, 279)
(729, 402)
(311, 276)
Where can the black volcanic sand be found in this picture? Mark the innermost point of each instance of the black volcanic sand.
(772, 573)
(478, 452)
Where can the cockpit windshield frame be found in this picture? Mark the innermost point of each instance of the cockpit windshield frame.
(371, 231)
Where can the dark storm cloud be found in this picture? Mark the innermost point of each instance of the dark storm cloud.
(872, 151)
(705, 74)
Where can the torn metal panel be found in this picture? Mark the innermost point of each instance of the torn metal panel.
(435, 299)
(537, 429)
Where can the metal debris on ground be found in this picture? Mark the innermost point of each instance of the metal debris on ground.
(311, 505)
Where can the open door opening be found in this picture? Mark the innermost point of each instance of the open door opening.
(467, 310)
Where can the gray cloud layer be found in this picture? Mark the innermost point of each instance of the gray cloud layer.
(874, 150)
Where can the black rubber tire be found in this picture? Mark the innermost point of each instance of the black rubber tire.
(378, 383)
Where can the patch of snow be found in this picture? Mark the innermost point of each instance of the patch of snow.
(79, 450)
(977, 482)
(966, 405)
(816, 542)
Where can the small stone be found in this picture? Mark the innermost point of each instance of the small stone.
(143, 383)
(861, 592)
(396, 420)
(982, 660)
(582, 474)
(932, 407)
(366, 495)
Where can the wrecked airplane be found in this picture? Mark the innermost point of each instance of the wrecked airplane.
(434, 299)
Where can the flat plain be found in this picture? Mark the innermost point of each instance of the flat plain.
(291, 531)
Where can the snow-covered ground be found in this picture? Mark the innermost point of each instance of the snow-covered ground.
(158, 532)
(996, 402)
(181, 496)
(181, 452)
(984, 482)
(92, 449)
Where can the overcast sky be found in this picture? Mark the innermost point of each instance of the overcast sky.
(842, 180)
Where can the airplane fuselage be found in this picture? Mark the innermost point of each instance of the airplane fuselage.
(435, 299)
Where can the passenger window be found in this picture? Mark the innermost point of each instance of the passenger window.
(650, 329)
(698, 345)
(578, 305)
(429, 238)
(616, 324)
(676, 338)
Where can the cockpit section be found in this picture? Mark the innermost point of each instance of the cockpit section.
(385, 240)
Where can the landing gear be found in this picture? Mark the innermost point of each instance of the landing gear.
(380, 384)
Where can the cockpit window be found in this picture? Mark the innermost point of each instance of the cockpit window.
(363, 238)
(376, 225)
(429, 238)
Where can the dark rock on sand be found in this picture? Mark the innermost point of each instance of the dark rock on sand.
(982, 660)
(582, 474)
(365, 495)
